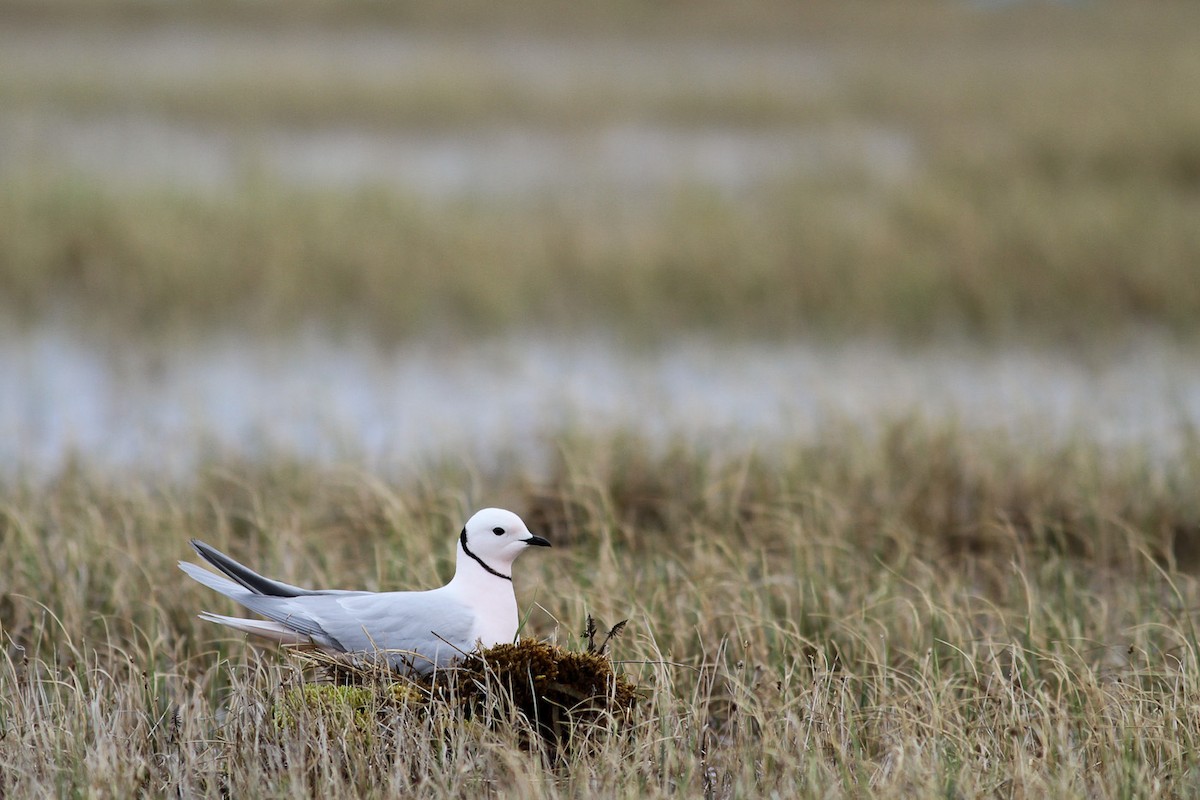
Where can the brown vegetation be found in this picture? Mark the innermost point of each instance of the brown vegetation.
(929, 611)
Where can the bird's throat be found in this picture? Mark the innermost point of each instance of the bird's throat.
(462, 539)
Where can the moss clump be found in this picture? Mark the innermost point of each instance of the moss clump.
(342, 706)
(565, 696)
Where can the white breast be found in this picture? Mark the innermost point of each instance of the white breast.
(496, 621)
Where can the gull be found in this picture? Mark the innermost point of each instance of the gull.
(417, 632)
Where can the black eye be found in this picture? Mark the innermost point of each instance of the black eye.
(498, 531)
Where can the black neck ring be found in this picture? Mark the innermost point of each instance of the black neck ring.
(462, 539)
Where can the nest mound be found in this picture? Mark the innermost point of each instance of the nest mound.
(561, 692)
(565, 696)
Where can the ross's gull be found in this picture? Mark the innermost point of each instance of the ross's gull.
(416, 631)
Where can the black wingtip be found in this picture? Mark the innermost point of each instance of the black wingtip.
(206, 551)
(248, 578)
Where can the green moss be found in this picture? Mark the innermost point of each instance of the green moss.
(351, 708)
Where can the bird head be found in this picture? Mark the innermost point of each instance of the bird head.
(495, 538)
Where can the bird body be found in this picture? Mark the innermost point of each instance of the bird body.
(416, 631)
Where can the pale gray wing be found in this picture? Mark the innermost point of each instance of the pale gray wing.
(418, 629)
(212, 580)
(286, 611)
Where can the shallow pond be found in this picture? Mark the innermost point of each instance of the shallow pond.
(162, 408)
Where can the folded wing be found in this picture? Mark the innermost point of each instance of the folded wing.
(413, 630)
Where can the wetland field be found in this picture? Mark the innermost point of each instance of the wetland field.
(849, 351)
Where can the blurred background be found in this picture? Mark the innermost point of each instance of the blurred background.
(388, 232)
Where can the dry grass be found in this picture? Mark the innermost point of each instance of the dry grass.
(1026, 257)
(924, 612)
(929, 612)
(1053, 189)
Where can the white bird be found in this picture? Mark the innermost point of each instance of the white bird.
(416, 631)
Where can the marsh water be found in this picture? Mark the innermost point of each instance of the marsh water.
(163, 407)
(145, 406)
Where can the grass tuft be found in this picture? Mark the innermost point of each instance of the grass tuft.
(923, 611)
